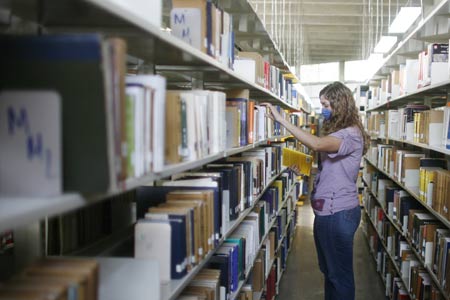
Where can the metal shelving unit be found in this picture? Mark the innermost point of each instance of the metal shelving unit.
(414, 192)
(175, 287)
(418, 256)
(183, 66)
(397, 269)
(437, 91)
(424, 146)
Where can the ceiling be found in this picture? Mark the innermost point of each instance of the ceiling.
(320, 31)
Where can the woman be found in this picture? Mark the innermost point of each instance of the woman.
(335, 197)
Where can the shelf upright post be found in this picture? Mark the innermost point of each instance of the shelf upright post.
(448, 93)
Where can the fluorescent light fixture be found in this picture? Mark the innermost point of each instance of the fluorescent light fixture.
(404, 19)
(385, 44)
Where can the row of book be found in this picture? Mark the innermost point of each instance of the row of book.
(247, 122)
(80, 228)
(431, 67)
(228, 188)
(413, 123)
(204, 26)
(227, 270)
(404, 284)
(58, 279)
(253, 67)
(420, 234)
(208, 28)
(131, 125)
(195, 124)
(427, 177)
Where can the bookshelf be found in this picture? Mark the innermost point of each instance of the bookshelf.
(407, 238)
(184, 67)
(271, 224)
(414, 193)
(171, 290)
(166, 54)
(392, 259)
(392, 94)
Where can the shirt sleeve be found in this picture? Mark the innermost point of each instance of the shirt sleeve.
(351, 141)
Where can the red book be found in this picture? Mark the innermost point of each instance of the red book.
(251, 122)
(267, 75)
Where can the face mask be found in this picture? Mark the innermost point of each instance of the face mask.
(326, 113)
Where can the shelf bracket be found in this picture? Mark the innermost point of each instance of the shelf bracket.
(427, 100)
(146, 68)
(197, 81)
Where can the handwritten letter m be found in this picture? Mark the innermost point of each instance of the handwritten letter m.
(17, 120)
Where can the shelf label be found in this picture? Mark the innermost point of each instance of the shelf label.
(186, 24)
(30, 139)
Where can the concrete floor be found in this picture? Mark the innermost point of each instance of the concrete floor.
(303, 280)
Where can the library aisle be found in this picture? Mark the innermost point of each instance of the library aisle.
(304, 281)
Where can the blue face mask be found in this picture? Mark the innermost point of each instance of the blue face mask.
(326, 113)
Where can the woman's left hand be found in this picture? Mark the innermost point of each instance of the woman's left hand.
(272, 112)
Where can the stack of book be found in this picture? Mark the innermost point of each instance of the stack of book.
(206, 27)
(58, 278)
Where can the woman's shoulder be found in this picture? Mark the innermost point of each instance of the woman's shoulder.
(352, 131)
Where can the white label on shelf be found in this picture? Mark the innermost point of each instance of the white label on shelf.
(30, 139)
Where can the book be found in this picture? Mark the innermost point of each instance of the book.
(186, 215)
(42, 62)
(155, 104)
(179, 248)
(146, 232)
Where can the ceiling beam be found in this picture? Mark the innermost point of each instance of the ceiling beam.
(329, 2)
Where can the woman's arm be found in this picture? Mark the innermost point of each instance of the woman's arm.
(325, 144)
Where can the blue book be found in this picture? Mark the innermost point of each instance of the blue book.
(268, 198)
(222, 262)
(178, 256)
(187, 216)
(178, 252)
(240, 242)
(407, 203)
(231, 172)
(248, 179)
(233, 251)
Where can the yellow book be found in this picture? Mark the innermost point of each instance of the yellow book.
(279, 185)
(301, 160)
(422, 176)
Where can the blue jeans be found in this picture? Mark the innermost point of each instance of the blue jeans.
(333, 236)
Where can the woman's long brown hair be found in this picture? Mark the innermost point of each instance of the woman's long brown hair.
(345, 113)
